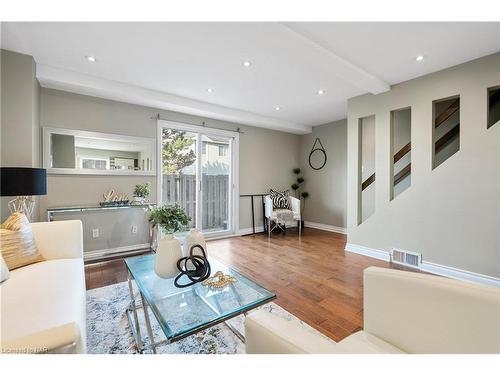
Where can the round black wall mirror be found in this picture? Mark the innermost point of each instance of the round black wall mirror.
(317, 156)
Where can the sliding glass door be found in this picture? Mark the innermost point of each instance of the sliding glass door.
(215, 183)
(179, 166)
(198, 173)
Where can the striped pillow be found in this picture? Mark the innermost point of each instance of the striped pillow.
(280, 199)
(17, 244)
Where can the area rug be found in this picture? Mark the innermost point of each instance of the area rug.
(108, 331)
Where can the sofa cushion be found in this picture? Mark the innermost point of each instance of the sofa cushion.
(365, 343)
(17, 243)
(42, 296)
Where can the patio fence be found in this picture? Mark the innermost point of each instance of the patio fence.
(215, 198)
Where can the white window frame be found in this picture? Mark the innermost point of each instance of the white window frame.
(233, 174)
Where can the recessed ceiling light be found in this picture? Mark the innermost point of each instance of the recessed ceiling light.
(321, 92)
(209, 90)
(247, 64)
(90, 58)
(277, 108)
(419, 58)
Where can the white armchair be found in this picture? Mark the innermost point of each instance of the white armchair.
(271, 214)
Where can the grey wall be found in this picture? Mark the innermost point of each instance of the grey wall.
(450, 214)
(20, 135)
(266, 156)
(327, 203)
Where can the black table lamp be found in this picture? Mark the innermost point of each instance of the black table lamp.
(22, 183)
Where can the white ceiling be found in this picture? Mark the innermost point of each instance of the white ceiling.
(171, 65)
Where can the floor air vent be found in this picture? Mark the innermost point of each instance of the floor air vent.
(406, 258)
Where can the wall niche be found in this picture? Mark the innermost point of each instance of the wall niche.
(401, 151)
(493, 106)
(366, 172)
(445, 129)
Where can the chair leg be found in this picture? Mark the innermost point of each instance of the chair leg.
(299, 223)
(269, 228)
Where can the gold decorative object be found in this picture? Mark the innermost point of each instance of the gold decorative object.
(108, 196)
(219, 280)
(111, 199)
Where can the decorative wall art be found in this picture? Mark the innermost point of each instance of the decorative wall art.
(317, 156)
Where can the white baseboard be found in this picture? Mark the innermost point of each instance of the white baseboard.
(106, 253)
(372, 253)
(244, 231)
(456, 273)
(308, 224)
(222, 236)
(326, 227)
(437, 269)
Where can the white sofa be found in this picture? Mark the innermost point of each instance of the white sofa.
(404, 312)
(43, 305)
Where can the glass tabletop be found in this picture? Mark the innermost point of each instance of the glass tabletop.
(182, 311)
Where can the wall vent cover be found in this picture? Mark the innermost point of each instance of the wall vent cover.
(406, 258)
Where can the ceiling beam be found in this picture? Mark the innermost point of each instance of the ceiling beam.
(340, 67)
(80, 83)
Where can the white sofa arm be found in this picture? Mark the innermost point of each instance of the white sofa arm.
(266, 333)
(61, 339)
(59, 239)
(268, 206)
(421, 313)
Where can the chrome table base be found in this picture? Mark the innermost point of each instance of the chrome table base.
(133, 321)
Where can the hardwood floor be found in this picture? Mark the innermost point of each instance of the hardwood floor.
(106, 273)
(314, 278)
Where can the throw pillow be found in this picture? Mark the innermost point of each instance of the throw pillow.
(4, 271)
(17, 244)
(280, 199)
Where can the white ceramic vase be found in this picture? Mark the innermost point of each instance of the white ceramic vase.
(168, 253)
(195, 237)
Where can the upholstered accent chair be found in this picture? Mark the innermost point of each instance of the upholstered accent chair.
(272, 215)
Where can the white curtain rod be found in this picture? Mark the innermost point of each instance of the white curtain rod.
(203, 124)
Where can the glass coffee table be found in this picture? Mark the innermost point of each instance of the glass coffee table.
(181, 312)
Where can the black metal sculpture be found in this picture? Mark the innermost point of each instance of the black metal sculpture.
(201, 266)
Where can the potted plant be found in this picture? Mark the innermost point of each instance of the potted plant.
(301, 195)
(167, 220)
(142, 192)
